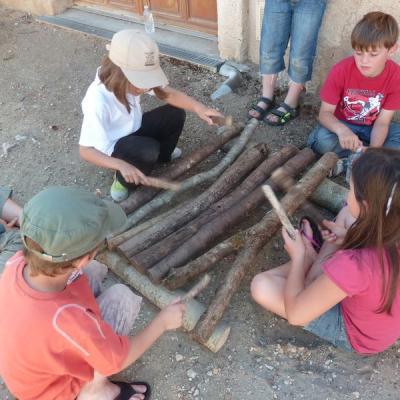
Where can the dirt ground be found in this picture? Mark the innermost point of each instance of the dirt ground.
(44, 73)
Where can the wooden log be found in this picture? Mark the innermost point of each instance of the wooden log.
(197, 289)
(215, 229)
(144, 194)
(258, 236)
(207, 176)
(161, 297)
(150, 256)
(330, 195)
(178, 277)
(242, 166)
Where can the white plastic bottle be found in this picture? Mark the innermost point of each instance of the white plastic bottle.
(148, 20)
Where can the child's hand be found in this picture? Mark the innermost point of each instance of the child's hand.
(349, 141)
(205, 113)
(131, 174)
(8, 226)
(294, 247)
(335, 233)
(172, 315)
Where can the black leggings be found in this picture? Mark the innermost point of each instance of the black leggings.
(154, 141)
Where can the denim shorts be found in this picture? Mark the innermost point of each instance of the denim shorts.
(330, 327)
(298, 20)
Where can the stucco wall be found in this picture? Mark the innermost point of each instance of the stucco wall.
(334, 39)
(38, 7)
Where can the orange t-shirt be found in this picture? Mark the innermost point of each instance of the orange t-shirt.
(51, 343)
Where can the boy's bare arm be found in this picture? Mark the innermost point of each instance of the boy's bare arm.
(347, 139)
(167, 319)
(381, 127)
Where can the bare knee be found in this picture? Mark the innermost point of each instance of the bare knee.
(259, 287)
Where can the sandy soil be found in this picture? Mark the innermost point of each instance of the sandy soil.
(44, 73)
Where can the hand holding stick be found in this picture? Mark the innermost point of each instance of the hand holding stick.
(269, 193)
(197, 288)
(162, 184)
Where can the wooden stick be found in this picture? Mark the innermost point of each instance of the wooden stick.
(222, 121)
(330, 195)
(161, 297)
(163, 184)
(257, 237)
(270, 195)
(197, 289)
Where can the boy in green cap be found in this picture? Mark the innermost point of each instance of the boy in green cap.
(75, 339)
(10, 240)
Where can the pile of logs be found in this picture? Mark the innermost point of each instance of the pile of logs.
(161, 255)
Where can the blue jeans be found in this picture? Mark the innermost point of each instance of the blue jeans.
(298, 20)
(322, 140)
(330, 326)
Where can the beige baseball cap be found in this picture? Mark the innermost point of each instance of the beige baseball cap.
(138, 57)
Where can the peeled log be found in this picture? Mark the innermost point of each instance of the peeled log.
(241, 168)
(213, 230)
(257, 237)
(161, 297)
(150, 256)
(330, 195)
(143, 194)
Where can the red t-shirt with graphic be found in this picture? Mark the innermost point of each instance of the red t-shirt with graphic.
(360, 99)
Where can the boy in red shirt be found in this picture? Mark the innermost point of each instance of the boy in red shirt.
(362, 92)
(57, 340)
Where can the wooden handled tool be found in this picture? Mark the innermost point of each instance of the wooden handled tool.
(222, 121)
(283, 180)
(269, 193)
(163, 184)
(197, 288)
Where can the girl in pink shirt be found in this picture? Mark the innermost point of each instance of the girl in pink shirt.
(347, 294)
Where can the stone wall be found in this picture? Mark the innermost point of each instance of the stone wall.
(334, 39)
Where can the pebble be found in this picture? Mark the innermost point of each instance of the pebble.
(191, 374)
(179, 357)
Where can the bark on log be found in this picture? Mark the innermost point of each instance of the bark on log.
(330, 195)
(178, 277)
(166, 197)
(214, 229)
(258, 236)
(186, 212)
(162, 297)
(144, 194)
(150, 256)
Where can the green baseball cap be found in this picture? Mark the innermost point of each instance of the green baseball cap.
(68, 222)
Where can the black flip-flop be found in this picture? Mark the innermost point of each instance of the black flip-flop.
(127, 391)
(316, 240)
(262, 112)
(283, 116)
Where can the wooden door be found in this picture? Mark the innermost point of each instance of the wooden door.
(194, 14)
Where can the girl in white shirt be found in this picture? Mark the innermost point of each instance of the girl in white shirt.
(115, 134)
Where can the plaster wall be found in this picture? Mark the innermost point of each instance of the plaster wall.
(38, 7)
(233, 19)
(334, 38)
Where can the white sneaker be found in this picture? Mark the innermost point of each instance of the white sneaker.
(177, 153)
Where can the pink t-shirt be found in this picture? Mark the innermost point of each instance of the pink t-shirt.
(359, 274)
(51, 343)
(360, 99)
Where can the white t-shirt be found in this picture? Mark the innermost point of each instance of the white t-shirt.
(106, 119)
